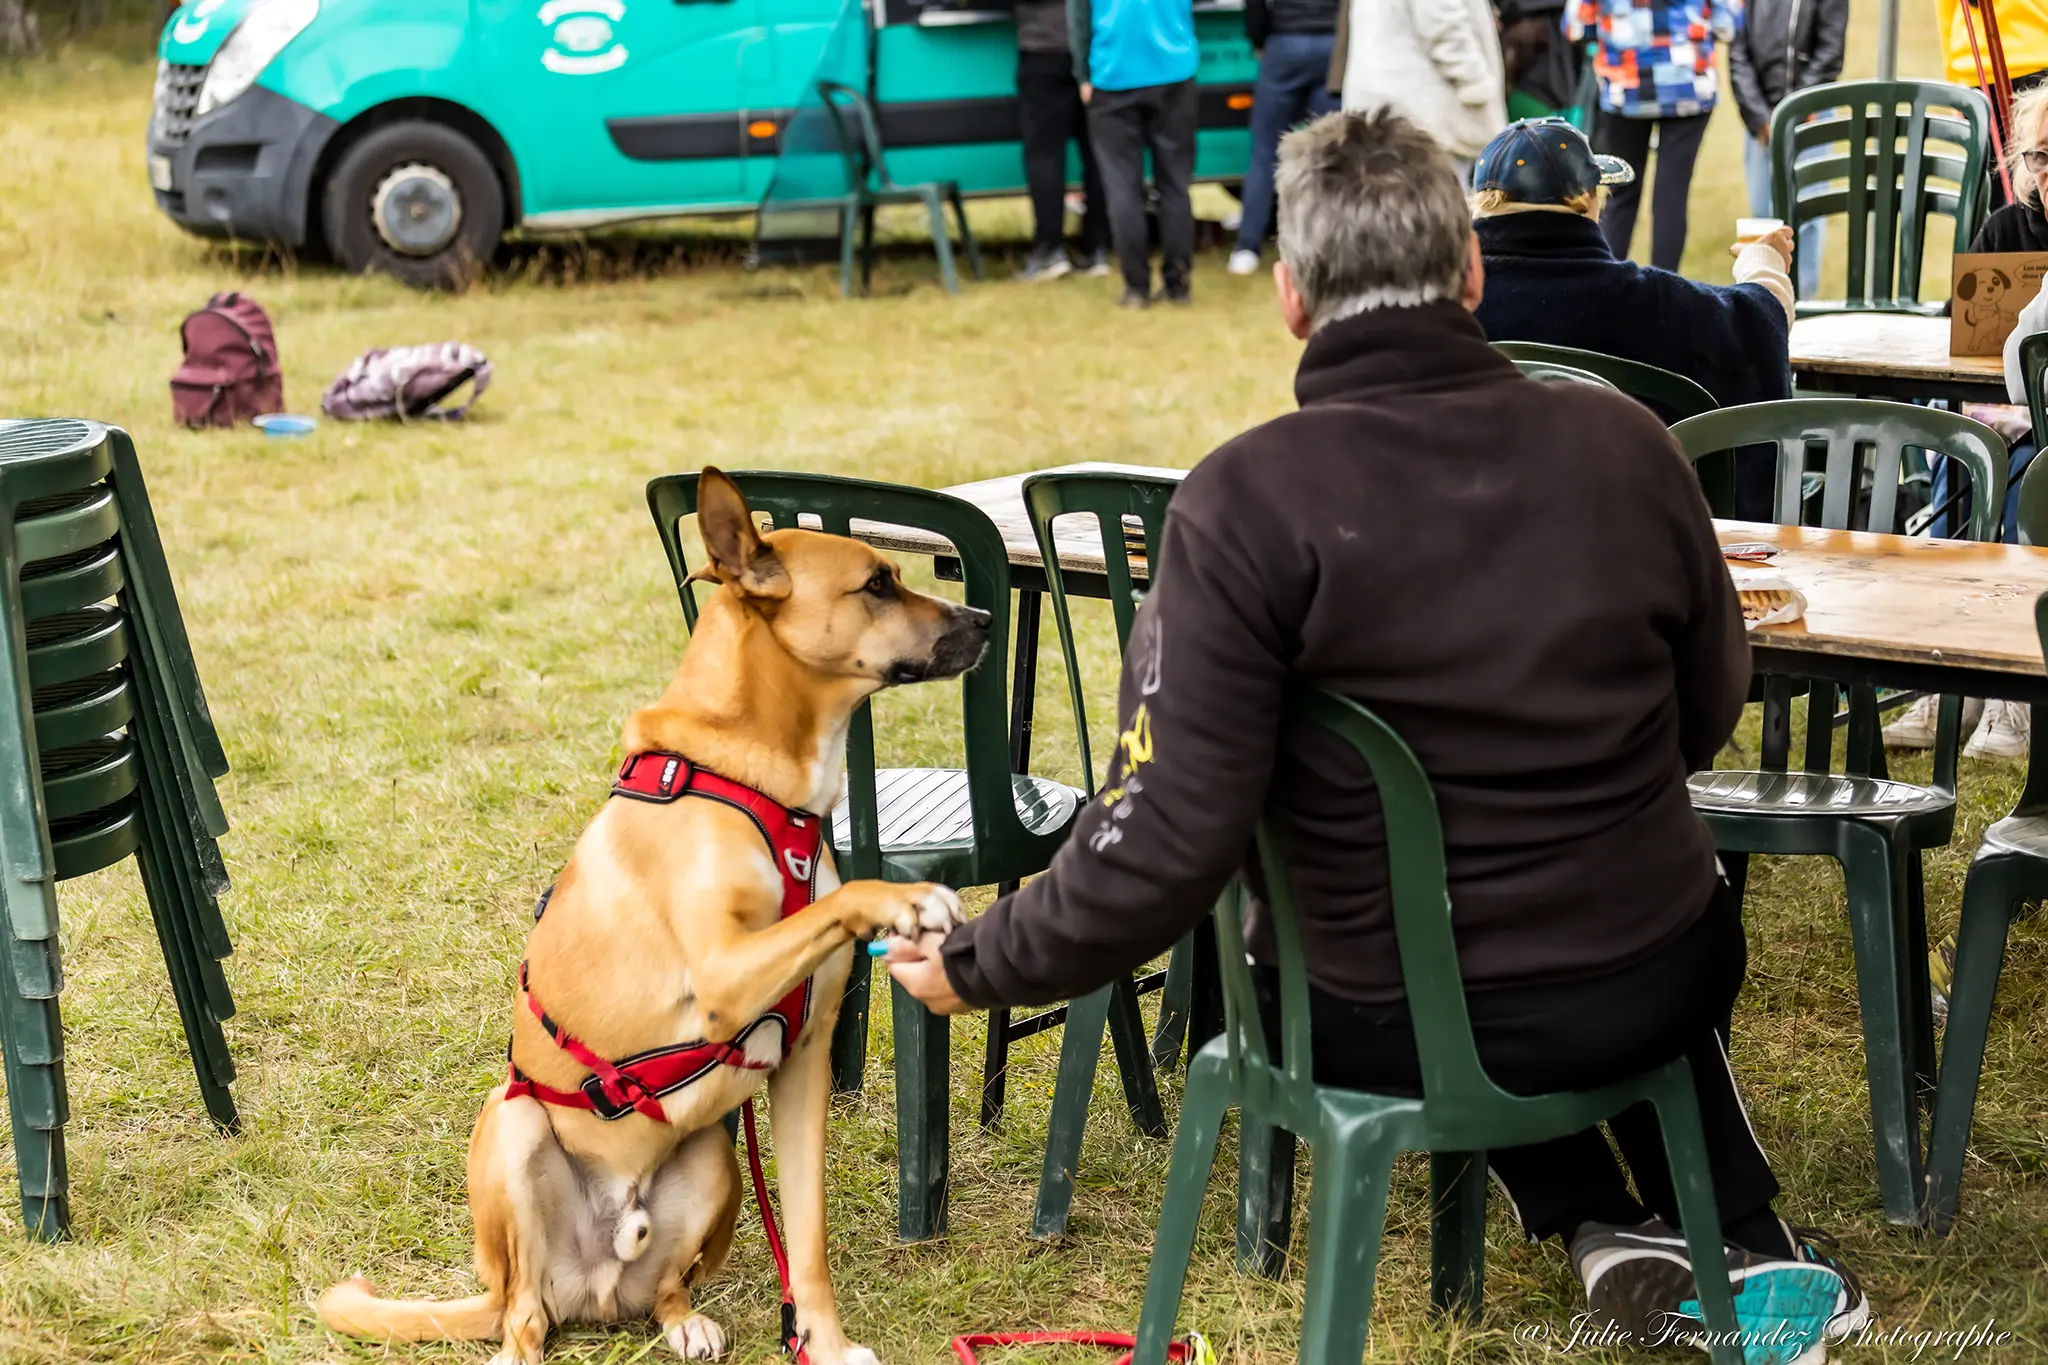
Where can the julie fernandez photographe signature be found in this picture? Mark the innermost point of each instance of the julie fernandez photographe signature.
(1588, 1332)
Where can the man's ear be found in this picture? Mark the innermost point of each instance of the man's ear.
(1293, 308)
(739, 557)
(1475, 275)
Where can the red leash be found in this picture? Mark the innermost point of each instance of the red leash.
(1184, 1352)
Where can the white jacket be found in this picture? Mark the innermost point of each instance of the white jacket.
(1436, 61)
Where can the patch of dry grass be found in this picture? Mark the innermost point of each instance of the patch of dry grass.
(420, 644)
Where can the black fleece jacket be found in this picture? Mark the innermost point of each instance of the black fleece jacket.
(1520, 578)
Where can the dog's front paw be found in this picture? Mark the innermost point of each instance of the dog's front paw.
(861, 1355)
(697, 1338)
(927, 908)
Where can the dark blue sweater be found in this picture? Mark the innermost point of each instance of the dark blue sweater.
(1550, 278)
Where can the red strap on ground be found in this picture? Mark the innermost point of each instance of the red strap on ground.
(964, 1347)
(790, 1339)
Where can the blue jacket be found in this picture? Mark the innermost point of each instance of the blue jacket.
(1129, 44)
(1550, 278)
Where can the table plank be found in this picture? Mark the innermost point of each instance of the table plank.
(1952, 605)
(1894, 350)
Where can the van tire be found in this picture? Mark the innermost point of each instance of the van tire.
(443, 159)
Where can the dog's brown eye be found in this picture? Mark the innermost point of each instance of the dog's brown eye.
(881, 583)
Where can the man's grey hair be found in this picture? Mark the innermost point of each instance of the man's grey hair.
(1371, 215)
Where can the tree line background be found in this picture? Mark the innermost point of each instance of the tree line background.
(27, 26)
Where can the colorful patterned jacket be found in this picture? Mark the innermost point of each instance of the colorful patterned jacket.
(1656, 57)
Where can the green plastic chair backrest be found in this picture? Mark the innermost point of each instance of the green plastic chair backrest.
(1891, 141)
(1110, 498)
(1863, 441)
(1454, 1083)
(860, 136)
(2033, 508)
(1675, 393)
(1550, 372)
(832, 504)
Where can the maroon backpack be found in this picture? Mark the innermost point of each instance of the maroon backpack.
(230, 372)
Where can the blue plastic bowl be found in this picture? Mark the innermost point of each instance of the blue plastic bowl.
(284, 424)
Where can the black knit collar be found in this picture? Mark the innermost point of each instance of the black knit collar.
(1420, 347)
(1554, 236)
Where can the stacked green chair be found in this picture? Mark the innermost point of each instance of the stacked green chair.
(979, 826)
(1551, 372)
(869, 186)
(1674, 393)
(1191, 1003)
(113, 752)
(1356, 1135)
(1874, 827)
(1890, 156)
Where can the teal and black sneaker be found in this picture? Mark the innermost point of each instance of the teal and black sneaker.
(1639, 1281)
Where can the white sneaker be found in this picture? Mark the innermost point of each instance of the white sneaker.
(1914, 729)
(1243, 262)
(1232, 220)
(2006, 733)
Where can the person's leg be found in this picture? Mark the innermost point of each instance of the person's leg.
(1629, 139)
(1678, 147)
(1095, 208)
(2016, 467)
(1273, 103)
(1321, 99)
(1173, 173)
(1756, 176)
(1116, 127)
(1045, 92)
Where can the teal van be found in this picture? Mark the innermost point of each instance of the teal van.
(409, 135)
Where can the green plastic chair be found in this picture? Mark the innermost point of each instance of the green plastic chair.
(1661, 389)
(978, 826)
(2009, 871)
(1357, 1135)
(1190, 985)
(101, 705)
(869, 186)
(1550, 372)
(1874, 827)
(1883, 153)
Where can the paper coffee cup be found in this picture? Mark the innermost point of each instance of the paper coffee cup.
(1756, 229)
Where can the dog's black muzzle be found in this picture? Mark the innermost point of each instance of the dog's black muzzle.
(959, 649)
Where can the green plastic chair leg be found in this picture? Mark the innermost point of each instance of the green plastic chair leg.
(1692, 1181)
(1180, 1210)
(1872, 872)
(941, 241)
(1347, 1214)
(204, 1039)
(966, 234)
(1134, 1059)
(1457, 1232)
(31, 1039)
(1997, 886)
(1919, 985)
(1265, 1197)
(1174, 999)
(849, 222)
(922, 1073)
(850, 1033)
(1080, 1048)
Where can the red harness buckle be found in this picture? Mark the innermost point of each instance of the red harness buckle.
(636, 1085)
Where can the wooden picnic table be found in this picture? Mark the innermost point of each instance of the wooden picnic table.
(1890, 355)
(1905, 612)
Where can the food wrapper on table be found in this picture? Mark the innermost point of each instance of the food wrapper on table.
(1768, 597)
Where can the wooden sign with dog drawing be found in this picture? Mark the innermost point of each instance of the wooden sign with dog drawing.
(1990, 289)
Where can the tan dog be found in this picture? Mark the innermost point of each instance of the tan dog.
(665, 928)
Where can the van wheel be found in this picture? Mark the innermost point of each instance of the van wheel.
(415, 200)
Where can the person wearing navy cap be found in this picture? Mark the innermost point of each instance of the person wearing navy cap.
(1538, 190)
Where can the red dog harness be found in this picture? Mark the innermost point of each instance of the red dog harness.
(636, 1084)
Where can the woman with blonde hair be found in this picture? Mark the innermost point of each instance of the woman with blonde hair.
(2020, 225)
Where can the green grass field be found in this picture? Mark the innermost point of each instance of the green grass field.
(420, 644)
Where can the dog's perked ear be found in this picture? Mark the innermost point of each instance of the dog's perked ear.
(739, 558)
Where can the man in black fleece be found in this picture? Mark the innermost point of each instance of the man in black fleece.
(1523, 580)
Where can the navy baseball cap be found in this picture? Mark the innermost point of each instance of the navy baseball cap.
(1545, 161)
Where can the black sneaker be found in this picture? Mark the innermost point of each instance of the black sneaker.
(1095, 264)
(1050, 264)
(1135, 298)
(1639, 1280)
(1182, 297)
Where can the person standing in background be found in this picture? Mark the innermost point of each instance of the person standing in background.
(1435, 62)
(1294, 40)
(1785, 45)
(1656, 69)
(1050, 114)
(1135, 61)
(1543, 68)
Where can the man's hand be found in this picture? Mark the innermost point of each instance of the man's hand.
(919, 969)
(1087, 92)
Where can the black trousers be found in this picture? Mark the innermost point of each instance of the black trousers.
(1580, 1036)
(1678, 146)
(1050, 115)
(1125, 124)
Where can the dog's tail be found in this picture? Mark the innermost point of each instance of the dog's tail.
(353, 1309)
